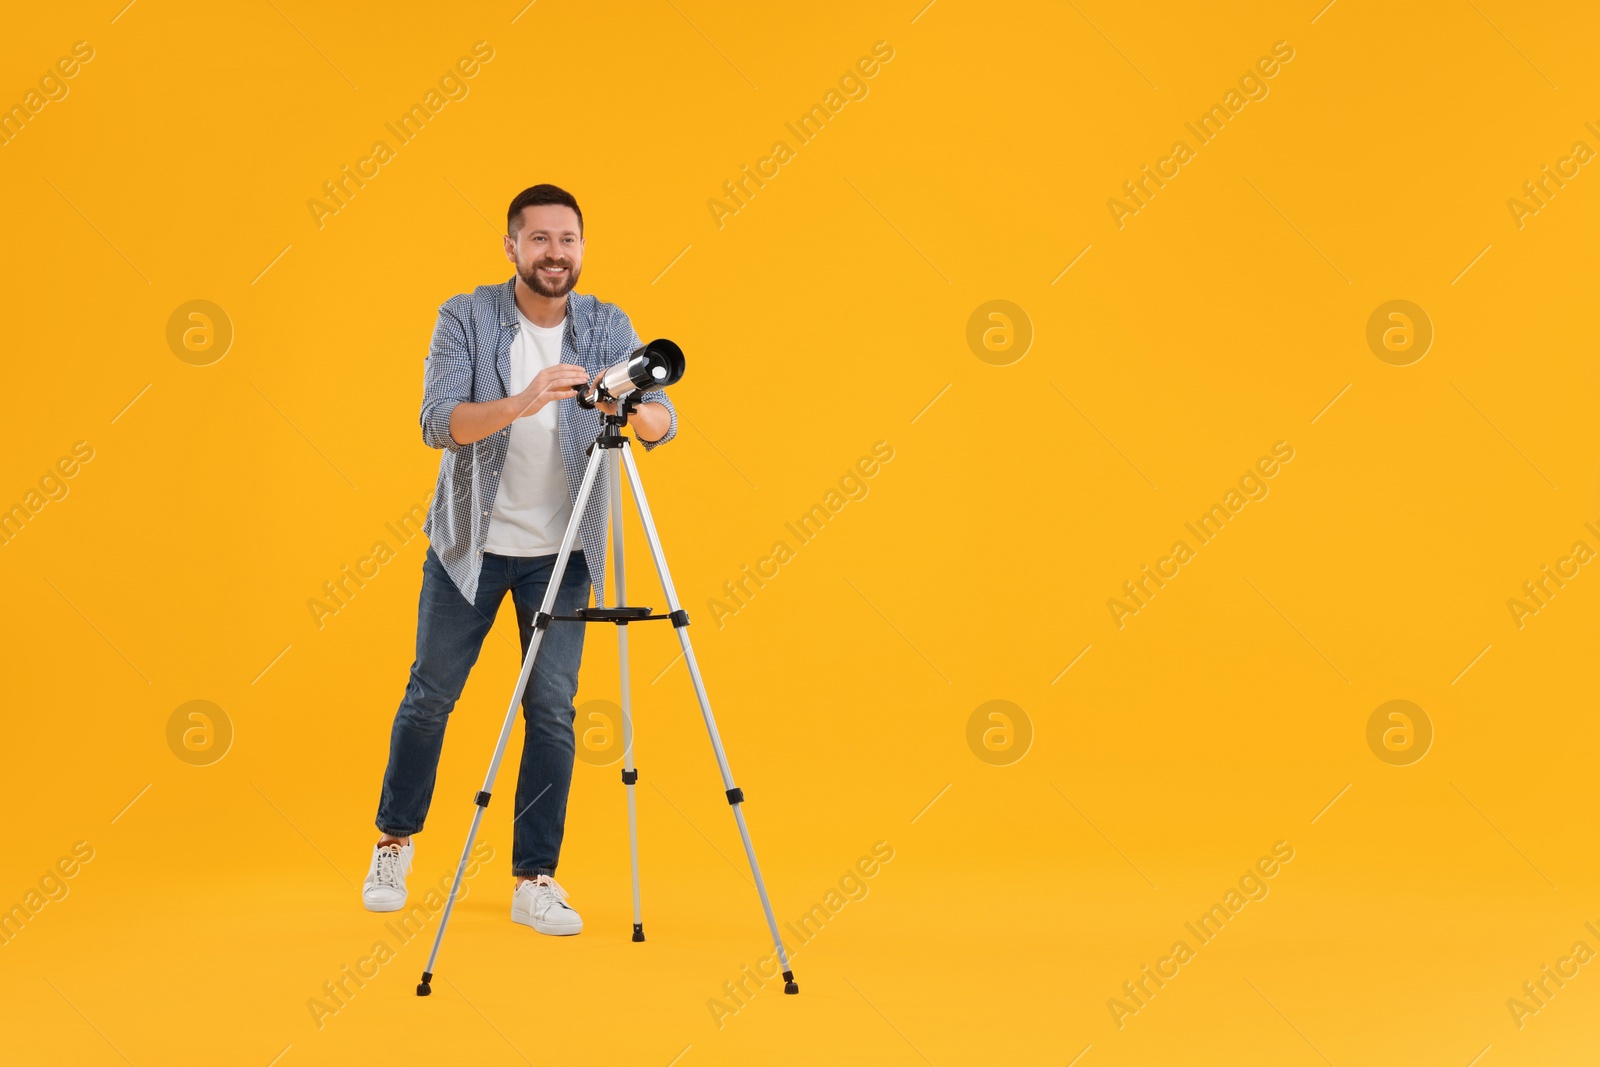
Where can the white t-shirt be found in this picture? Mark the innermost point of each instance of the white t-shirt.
(531, 508)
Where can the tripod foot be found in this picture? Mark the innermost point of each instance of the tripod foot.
(638, 931)
(790, 986)
(423, 988)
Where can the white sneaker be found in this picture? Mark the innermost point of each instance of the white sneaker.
(542, 904)
(385, 887)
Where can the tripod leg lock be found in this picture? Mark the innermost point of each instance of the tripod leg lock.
(736, 795)
(542, 620)
(679, 618)
(482, 799)
(629, 777)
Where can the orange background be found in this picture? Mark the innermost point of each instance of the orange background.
(1041, 859)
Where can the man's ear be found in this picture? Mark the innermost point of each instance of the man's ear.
(510, 247)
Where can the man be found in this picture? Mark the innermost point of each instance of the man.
(498, 398)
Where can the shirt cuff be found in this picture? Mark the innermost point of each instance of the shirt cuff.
(436, 427)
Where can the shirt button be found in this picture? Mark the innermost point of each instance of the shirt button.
(486, 513)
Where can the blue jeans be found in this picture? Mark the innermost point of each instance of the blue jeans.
(450, 633)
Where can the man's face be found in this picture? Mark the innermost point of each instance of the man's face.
(547, 249)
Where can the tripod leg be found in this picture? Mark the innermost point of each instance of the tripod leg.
(541, 621)
(734, 793)
(630, 774)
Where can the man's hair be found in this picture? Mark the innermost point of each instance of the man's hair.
(541, 194)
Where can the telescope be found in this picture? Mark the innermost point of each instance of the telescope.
(653, 366)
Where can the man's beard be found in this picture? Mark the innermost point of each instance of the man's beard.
(534, 281)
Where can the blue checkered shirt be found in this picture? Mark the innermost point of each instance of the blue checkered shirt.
(469, 359)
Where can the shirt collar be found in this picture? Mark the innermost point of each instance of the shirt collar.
(507, 301)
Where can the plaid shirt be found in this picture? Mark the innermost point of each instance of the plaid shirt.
(469, 359)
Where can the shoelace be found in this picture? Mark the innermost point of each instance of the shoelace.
(388, 872)
(547, 891)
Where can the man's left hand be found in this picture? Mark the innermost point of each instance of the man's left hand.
(650, 420)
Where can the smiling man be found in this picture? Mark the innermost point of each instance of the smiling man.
(498, 399)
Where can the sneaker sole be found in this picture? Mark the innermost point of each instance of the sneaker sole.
(382, 907)
(546, 928)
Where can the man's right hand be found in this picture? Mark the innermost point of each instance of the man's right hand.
(473, 421)
(552, 383)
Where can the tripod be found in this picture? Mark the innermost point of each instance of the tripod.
(610, 442)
